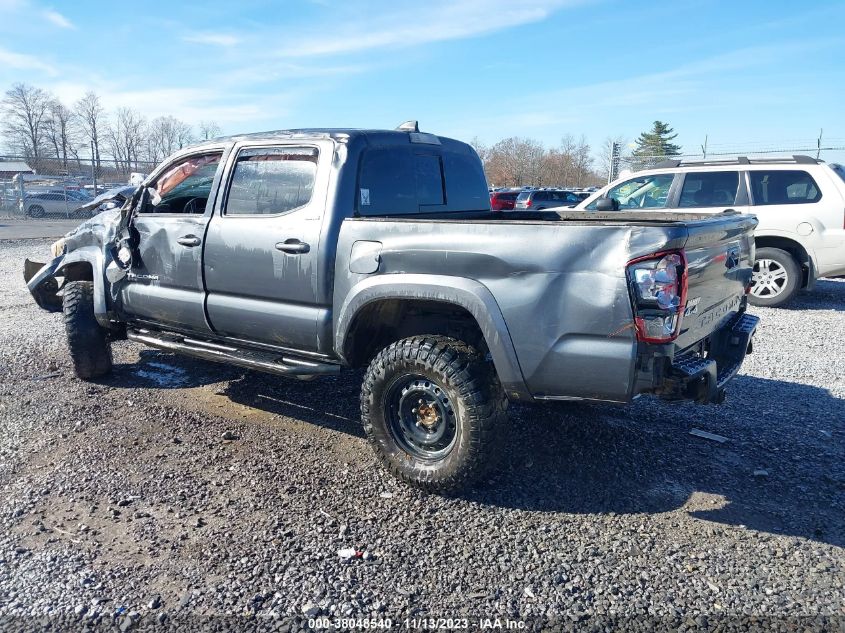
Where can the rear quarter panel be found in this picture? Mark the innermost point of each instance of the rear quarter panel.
(561, 288)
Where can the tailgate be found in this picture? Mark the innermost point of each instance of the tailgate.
(720, 258)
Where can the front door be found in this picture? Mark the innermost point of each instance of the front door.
(261, 254)
(165, 286)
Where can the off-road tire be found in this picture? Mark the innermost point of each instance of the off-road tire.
(785, 262)
(88, 343)
(472, 387)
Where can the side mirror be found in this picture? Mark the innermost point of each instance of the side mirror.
(607, 204)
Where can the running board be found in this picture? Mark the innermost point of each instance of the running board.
(283, 365)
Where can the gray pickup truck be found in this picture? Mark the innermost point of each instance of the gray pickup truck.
(305, 252)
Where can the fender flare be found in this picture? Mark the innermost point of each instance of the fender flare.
(469, 294)
(88, 254)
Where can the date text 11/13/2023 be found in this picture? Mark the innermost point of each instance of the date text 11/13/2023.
(416, 624)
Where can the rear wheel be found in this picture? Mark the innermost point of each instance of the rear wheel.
(87, 342)
(433, 410)
(776, 279)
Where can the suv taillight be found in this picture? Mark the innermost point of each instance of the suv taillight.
(659, 291)
(527, 202)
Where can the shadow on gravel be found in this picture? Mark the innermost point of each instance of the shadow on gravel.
(595, 459)
(331, 402)
(828, 294)
(598, 459)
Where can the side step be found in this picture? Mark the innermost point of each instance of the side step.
(242, 357)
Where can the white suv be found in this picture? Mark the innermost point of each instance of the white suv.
(799, 202)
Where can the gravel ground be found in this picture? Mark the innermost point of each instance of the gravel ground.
(123, 505)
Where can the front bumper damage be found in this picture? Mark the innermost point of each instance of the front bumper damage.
(41, 281)
(702, 375)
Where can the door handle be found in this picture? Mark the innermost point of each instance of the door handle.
(293, 246)
(189, 240)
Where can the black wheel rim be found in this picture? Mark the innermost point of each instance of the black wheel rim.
(421, 417)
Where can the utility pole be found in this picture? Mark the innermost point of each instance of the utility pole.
(93, 170)
(704, 149)
(819, 144)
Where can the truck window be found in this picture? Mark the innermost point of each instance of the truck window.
(784, 187)
(399, 180)
(642, 192)
(185, 186)
(271, 181)
(709, 189)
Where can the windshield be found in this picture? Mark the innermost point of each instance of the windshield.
(641, 192)
(524, 196)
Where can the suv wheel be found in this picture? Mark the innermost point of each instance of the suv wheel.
(35, 211)
(433, 409)
(87, 342)
(776, 279)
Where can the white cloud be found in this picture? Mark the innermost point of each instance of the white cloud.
(20, 61)
(215, 39)
(418, 23)
(57, 19)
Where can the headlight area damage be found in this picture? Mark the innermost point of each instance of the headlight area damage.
(82, 255)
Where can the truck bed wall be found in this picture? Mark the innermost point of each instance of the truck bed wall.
(560, 287)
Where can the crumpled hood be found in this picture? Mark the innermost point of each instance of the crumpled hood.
(118, 194)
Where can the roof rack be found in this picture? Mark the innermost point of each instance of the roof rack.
(798, 159)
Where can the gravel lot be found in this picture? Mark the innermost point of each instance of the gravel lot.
(122, 504)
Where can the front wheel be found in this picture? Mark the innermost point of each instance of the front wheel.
(87, 341)
(776, 278)
(36, 211)
(433, 410)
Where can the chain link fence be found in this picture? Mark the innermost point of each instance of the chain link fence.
(623, 161)
(47, 189)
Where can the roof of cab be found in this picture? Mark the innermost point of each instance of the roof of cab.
(342, 135)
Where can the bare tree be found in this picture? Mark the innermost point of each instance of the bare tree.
(208, 130)
(61, 132)
(515, 161)
(125, 137)
(165, 135)
(92, 119)
(26, 110)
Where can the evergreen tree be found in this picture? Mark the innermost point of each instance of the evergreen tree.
(656, 145)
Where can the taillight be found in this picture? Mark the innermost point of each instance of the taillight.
(659, 288)
(528, 203)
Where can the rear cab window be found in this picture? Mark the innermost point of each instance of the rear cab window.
(420, 178)
(786, 186)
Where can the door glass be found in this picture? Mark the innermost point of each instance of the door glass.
(185, 186)
(783, 187)
(272, 181)
(642, 192)
(709, 189)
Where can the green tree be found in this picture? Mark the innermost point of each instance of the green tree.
(656, 145)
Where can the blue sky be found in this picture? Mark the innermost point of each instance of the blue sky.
(744, 72)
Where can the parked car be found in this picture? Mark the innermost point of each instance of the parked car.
(799, 202)
(503, 200)
(39, 205)
(302, 253)
(539, 199)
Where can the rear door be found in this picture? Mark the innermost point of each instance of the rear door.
(262, 246)
(167, 287)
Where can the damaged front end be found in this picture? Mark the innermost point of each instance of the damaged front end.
(98, 250)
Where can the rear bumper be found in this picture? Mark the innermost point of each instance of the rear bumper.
(703, 379)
